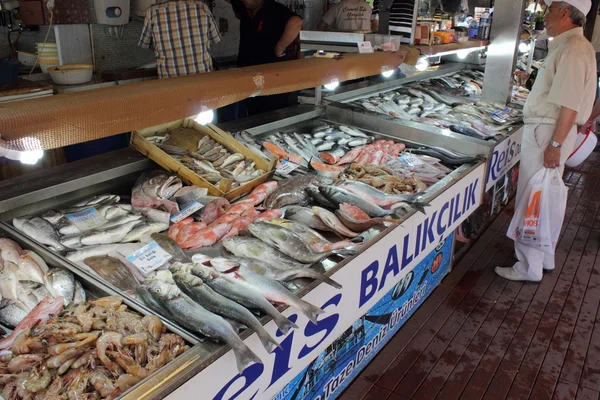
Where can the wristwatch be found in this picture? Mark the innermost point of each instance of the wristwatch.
(555, 144)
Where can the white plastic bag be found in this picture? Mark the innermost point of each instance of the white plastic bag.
(537, 222)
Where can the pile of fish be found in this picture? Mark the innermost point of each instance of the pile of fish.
(25, 280)
(96, 349)
(115, 223)
(432, 102)
(212, 160)
(219, 219)
(467, 83)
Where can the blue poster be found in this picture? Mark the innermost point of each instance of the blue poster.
(335, 368)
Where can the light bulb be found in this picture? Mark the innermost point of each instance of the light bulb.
(205, 117)
(31, 157)
(463, 54)
(387, 73)
(523, 47)
(422, 64)
(550, 39)
(332, 85)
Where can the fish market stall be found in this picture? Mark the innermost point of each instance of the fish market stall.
(441, 106)
(351, 271)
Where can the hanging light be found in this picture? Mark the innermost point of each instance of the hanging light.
(387, 73)
(205, 117)
(422, 64)
(523, 47)
(31, 157)
(332, 85)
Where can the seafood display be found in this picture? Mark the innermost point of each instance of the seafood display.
(95, 349)
(209, 159)
(26, 280)
(447, 102)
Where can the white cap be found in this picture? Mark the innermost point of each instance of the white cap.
(582, 5)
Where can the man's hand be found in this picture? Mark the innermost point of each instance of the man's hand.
(552, 157)
(589, 125)
(279, 50)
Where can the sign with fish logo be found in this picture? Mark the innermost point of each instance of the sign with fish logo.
(506, 155)
(382, 287)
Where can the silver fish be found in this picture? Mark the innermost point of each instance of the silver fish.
(91, 251)
(214, 302)
(181, 307)
(98, 199)
(232, 159)
(287, 242)
(271, 270)
(40, 230)
(305, 216)
(248, 297)
(111, 235)
(10, 313)
(339, 195)
(170, 246)
(333, 222)
(291, 191)
(144, 229)
(52, 216)
(79, 296)
(61, 283)
(275, 292)
(36, 289)
(353, 131)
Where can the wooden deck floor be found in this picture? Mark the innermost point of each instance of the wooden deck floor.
(481, 337)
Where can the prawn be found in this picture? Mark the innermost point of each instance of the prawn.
(108, 340)
(86, 359)
(126, 381)
(58, 360)
(102, 384)
(130, 366)
(78, 386)
(154, 325)
(113, 302)
(24, 343)
(24, 362)
(36, 381)
(82, 340)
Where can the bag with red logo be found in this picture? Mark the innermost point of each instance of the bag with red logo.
(537, 222)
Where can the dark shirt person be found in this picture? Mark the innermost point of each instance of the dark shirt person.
(268, 33)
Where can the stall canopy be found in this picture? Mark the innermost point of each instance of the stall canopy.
(67, 119)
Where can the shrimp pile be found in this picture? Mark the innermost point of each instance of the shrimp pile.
(383, 179)
(93, 350)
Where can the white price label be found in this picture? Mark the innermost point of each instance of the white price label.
(365, 47)
(87, 219)
(411, 160)
(187, 211)
(284, 167)
(149, 257)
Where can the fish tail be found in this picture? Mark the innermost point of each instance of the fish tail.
(347, 251)
(307, 273)
(267, 340)
(283, 323)
(311, 311)
(244, 356)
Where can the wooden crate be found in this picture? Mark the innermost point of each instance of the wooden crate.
(189, 142)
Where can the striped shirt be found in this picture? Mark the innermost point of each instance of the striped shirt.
(401, 17)
(182, 32)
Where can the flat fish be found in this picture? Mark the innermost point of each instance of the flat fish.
(113, 271)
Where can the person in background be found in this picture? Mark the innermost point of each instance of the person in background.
(561, 97)
(347, 16)
(268, 33)
(181, 32)
(401, 16)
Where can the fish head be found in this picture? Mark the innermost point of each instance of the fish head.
(162, 290)
(205, 273)
(188, 279)
(179, 267)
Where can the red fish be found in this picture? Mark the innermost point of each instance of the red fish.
(175, 228)
(239, 208)
(238, 225)
(350, 156)
(282, 154)
(260, 193)
(214, 210)
(206, 237)
(40, 314)
(270, 214)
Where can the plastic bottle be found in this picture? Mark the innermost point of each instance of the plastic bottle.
(484, 26)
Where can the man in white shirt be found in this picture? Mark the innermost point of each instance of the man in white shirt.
(347, 16)
(561, 97)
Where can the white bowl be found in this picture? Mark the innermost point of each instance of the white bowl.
(585, 144)
(27, 59)
(46, 67)
(71, 74)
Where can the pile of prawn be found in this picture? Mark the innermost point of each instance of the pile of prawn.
(93, 350)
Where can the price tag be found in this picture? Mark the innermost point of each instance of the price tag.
(87, 219)
(149, 257)
(501, 115)
(187, 211)
(365, 47)
(411, 160)
(284, 167)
